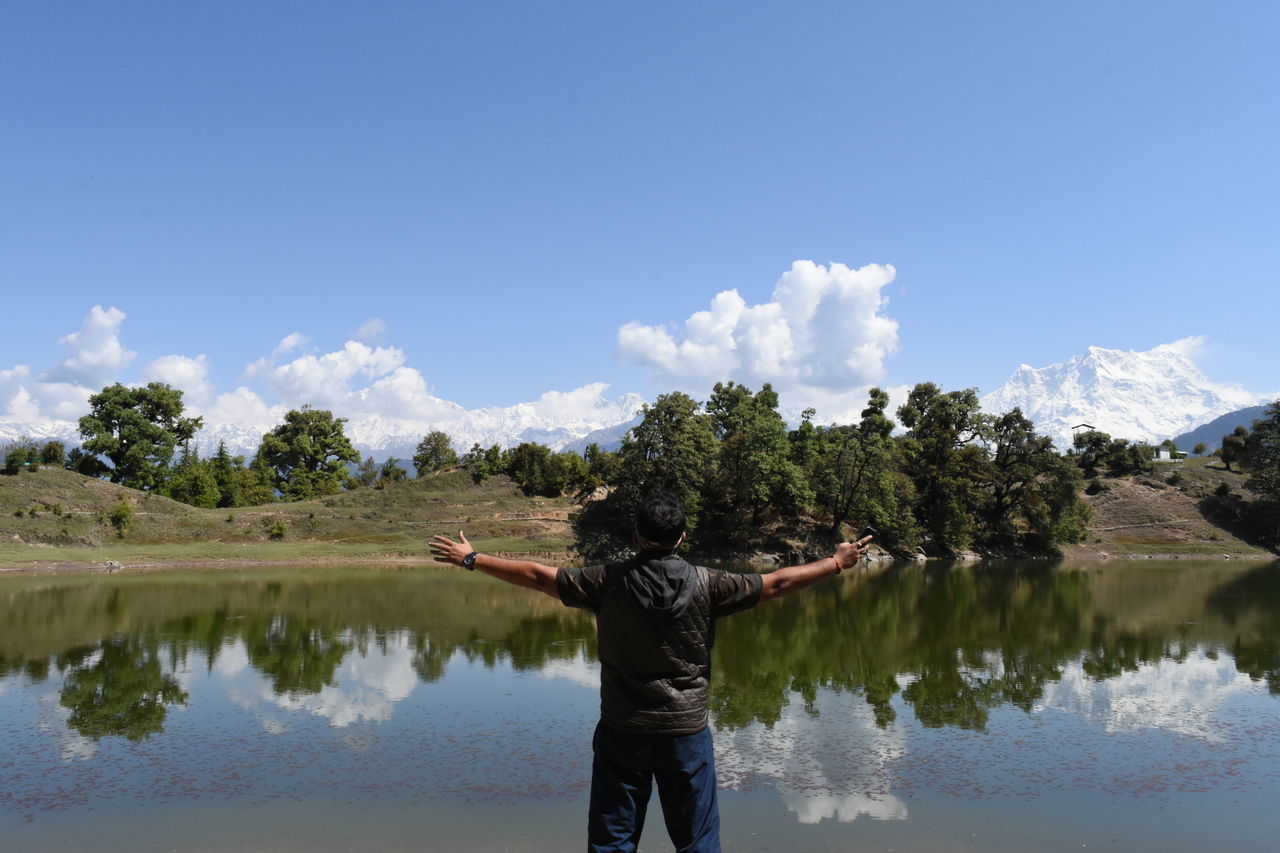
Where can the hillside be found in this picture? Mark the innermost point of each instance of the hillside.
(53, 517)
(1172, 512)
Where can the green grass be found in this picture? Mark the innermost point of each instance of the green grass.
(57, 516)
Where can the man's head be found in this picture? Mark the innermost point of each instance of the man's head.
(659, 523)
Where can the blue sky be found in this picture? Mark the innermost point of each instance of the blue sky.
(507, 198)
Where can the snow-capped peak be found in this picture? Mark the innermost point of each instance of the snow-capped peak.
(1140, 396)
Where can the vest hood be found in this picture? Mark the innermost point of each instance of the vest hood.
(662, 583)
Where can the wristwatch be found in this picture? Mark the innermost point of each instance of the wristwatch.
(469, 561)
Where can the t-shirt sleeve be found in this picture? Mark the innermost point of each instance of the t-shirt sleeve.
(732, 592)
(581, 587)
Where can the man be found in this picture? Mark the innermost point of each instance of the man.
(655, 616)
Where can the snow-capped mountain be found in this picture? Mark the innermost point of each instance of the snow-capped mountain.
(1139, 396)
(557, 420)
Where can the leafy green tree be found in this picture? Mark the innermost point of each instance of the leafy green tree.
(193, 481)
(308, 454)
(54, 453)
(1263, 460)
(434, 453)
(601, 469)
(673, 450)
(1200, 448)
(1233, 445)
(483, 462)
(392, 471)
(540, 471)
(137, 430)
(855, 475)
(16, 457)
(944, 462)
(1030, 495)
(85, 463)
(226, 470)
(367, 472)
(754, 467)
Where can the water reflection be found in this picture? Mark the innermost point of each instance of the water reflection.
(950, 644)
(848, 701)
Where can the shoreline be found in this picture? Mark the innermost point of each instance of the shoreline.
(151, 564)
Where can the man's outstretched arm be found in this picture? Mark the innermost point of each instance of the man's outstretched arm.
(794, 578)
(518, 572)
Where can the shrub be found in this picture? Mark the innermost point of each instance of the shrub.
(1223, 490)
(278, 529)
(122, 518)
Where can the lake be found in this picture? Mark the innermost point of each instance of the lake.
(1010, 706)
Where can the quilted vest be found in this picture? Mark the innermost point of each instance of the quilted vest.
(655, 667)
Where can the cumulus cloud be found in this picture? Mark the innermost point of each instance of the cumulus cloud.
(190, 375)
(822, 339)
(95, 355)
(325, 380)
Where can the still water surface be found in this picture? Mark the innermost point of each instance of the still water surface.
(1130, 706)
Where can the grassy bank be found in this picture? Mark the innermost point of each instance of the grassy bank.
(53, 517)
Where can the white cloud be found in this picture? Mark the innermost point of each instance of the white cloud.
(325, 380)
(190, 375)
(821, 340)
(289, 343)
(372, 332)
(95, 355)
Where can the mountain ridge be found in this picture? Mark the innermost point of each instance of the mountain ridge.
(1140, 396)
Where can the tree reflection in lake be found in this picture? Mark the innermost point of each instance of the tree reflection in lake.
(861, 699)
(118, 688)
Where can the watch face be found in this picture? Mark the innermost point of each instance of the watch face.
(469, 561)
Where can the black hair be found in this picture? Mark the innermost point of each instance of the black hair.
(660, 519)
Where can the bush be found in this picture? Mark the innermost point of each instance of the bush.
(1096, 487)
(1223, 490)
(53, 453)
(278, 529)
(122, 518)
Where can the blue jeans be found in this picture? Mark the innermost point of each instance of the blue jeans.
(622, 777)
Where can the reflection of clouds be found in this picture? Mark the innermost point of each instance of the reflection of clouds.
(580, 670)
(1181, 697)
(369, 683)
(832, 764)
(72, 745)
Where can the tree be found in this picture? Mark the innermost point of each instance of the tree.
(434, 453)
(367, 472)
(193, 481)
(854, 473)
(673, 450)
(1233, 445)
(308, 454)
(1263, 460)
(54, 453)
(137, 430)
(227, 470)
(943, 461)
(391, 471)
(1030, 493)
(483, 462)
(754, 467)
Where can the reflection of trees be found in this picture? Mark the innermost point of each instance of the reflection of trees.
(122, 691)
(1251, 606)
(964, 641)
(295, 653)
(948, 643)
